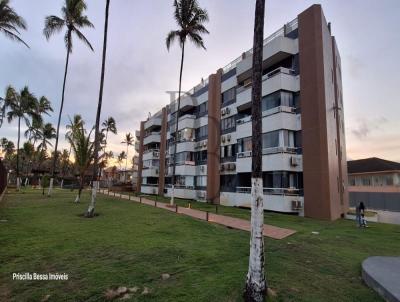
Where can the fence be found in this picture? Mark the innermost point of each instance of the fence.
(376, 200)
(3, 179)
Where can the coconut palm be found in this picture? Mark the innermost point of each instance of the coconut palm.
(28, 152)
(48, 133)
(2, 111)
(129, 140)
(83, 154)
(121, 158)
(75, 123)
(256, 284)
(33, 132)
(97, 138)
(73, 19)
(190, 19)
(21, 106)
(109, 125)
(11, 22)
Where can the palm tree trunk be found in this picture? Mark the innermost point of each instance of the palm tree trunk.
(59, 119)
(95, 183)
(78, 197)
(176, 128)
(255, 283)
(17, 170)
(126, 161)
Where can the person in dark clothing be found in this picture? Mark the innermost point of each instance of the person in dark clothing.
(360, 215)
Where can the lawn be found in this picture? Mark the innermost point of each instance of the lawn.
(131, 244)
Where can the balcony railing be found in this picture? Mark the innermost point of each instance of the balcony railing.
(150, 185)
(274, 150)
(272, 191)
(152, 133)
(269, 75)
(156, 152)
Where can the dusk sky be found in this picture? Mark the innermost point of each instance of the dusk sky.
(140, 70)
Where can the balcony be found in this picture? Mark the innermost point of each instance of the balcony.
(275, 199)
(137, 146)
(281, 117)
(182, 192)
(151, 172)
(187, 103)
(185, 121)
(149, 189)
(151, 154)
(153, 123)
(187, 168)
(274, 159)
(274, 51)
(278, 79)
(152, 137)
(183, 146)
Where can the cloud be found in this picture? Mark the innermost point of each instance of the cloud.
(365, 127)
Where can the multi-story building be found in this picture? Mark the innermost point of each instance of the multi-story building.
(304, 153)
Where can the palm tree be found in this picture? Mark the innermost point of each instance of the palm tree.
(73, 20)
(21, 107)
(256, 284)
(10, 22)
(83, 153)
(27, 153)
(190, 18)
(47, 134)
(97, 134)
(33, 131)
(120, 158)
(129, 140)
(75, 123)
(109, 125)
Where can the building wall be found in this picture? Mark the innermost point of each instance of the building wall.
(163, 149)
(214, 137)
(140, 164)
(319, 132)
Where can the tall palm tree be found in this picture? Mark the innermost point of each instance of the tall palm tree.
(10, 22)
(256, 284)
(109, 125)
(190, 19)
(33, 131)
(21, 106)
(73, 19)
(75, 123)
(83, 153)
(129, 140)
(97, 135)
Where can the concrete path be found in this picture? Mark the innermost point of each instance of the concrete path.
(235, 223)
(383, 275)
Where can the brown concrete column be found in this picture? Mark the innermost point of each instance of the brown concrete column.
(214, 137)
(319, 135)
(341, 141)
(140, 164)
(163, 146)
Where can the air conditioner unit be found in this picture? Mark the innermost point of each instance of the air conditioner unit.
(223, 111)
(232, 166)
(205, 143)
(294, 161)
(222, 167)
(223, 139)
(227, 110)
(202, 168)
(228, 137)
(296, 205)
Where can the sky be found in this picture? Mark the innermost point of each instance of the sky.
(140, 70)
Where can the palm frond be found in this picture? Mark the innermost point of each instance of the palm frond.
(52, 25)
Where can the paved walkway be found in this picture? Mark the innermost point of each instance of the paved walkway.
(235, 223)
(383, 275)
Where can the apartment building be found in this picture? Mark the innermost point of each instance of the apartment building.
(304, 152)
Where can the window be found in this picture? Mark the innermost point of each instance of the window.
(244, 144)
(183, 158)
(228, 124)
(201, 181)
(228, 153)
(297, 139)
(202, 109)
(366, 181)
(202, 133)
(229, 96)
(270, 139)
(180, 180)
(186, 135)
(352, 181)
(276, 99)
(389, 180)
(201, 157)
(151, 163)
(228, 183)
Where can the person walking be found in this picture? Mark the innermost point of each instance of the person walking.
(360, 214)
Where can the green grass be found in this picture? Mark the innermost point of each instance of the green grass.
(130, 244)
